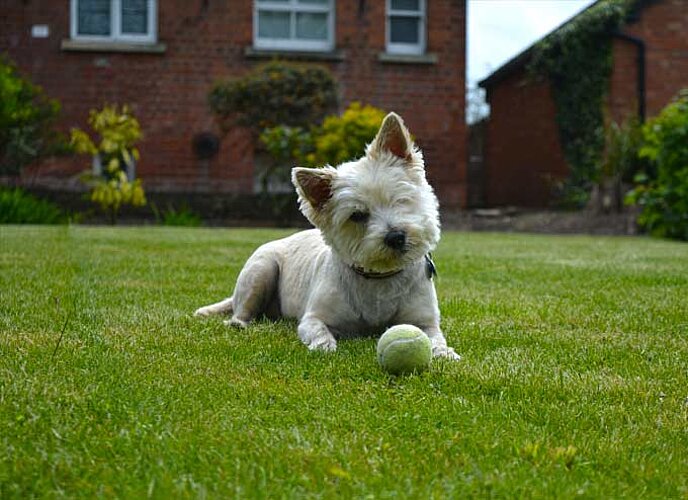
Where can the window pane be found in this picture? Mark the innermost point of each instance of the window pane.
(316, 2)
(135, 16)
(93, 17)
(273, 24)
(405, 5)
(311, 26)
(404, 30)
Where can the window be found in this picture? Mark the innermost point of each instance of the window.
(294, 24)
(406, 26)
(114, 20)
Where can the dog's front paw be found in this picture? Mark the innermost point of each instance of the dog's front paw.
(236, 323)
(325, 343)
(316, 336)
(442, 351)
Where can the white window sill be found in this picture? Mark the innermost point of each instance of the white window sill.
(112, 46)
(428, 58)
(331, 55)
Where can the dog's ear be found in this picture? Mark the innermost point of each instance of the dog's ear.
(394, 137)
(313, 184)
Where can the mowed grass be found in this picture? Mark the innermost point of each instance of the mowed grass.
(574, 378)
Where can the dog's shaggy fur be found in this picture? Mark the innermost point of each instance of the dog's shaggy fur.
(365, 267)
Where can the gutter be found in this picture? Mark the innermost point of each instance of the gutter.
(640, 45)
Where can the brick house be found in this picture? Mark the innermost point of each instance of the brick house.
(163, 57)
(523, 154)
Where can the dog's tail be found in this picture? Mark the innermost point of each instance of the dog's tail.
(223, 307)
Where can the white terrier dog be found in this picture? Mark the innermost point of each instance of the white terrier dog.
(366, 266)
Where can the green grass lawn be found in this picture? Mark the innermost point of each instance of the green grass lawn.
(574, 379)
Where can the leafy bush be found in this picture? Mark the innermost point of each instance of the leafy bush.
(112, 192)
(338, 139)
(275, 94)
(662, 190)
(286, 145)
(27, 119)
(343, 138)
(118, 133)
(19, 207)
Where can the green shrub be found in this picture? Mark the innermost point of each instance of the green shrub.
(118, 133)
(343, 138)
(286, 145)
(662, 190)
(338, 139)
(19, 207)
(275, 94)
(27, 120)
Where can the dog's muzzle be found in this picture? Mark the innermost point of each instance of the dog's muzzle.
(396, 240)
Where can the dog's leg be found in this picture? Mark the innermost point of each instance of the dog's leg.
(315, 334)
(421, 310)
(439, 344)
(222, 307)
(255, 288)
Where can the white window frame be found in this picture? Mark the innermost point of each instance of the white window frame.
(407, 48)
(116, 34)
(294, 7)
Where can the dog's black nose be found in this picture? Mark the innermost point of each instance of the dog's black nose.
(396, 239)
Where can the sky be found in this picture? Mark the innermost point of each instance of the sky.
(500, 29)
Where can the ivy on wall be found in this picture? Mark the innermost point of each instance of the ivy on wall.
(577, 61)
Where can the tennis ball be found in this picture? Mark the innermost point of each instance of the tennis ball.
(404, 349)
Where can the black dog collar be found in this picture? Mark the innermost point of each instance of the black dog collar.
(430, 271)
(372, 275)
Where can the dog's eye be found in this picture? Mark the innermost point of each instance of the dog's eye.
(359, 216)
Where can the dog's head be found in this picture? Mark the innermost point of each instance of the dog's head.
(377, 213)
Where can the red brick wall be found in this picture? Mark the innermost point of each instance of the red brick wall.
(523, 155)
(205, 42)
(663, 25)
(622, 101)
(523, 151)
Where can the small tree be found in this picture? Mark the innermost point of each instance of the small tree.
(112, 184)
(27, 121)
(275, 94)
(291, 97)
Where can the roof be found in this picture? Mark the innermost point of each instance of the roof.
(521, 59)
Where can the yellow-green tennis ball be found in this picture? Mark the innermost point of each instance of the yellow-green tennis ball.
(404, 349)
